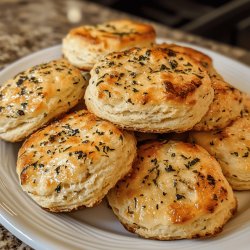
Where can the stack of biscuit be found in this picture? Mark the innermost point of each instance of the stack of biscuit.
(162, 187)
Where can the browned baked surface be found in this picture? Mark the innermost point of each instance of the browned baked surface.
(176, 190)
(149, 90)
(74, 161)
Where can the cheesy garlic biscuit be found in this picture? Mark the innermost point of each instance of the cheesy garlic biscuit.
(227, 104)
(85, 45)
(149, 90)
(231, 147)
(226, 107)
(35, 96)
(175, 191)
(74, 162)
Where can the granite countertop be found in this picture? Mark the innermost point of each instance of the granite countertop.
(27, 26)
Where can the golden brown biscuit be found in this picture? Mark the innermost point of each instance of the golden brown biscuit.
(149, 90)
(226, 107)
(85, 45)
(227, 104)
(175, 191)
(74, 162)
(37, 95)
(231, 147)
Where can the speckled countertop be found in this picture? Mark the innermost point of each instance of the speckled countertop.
(27, 26)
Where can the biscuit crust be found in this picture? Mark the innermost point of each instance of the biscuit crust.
(227, 104)
(34, 97)
(175, 191)
(73, 162)
(226, 107)
(149, 90)
(231, 147)
(203, 59)
(85, 45)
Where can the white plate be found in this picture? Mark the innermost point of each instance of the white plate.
(97, 228)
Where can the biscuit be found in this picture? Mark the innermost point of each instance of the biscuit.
(226, 107)
(149, 90)
(227, 104)
(175, 191)
(231, 147)
(37, 95)
(73, 162)
(85, 45)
